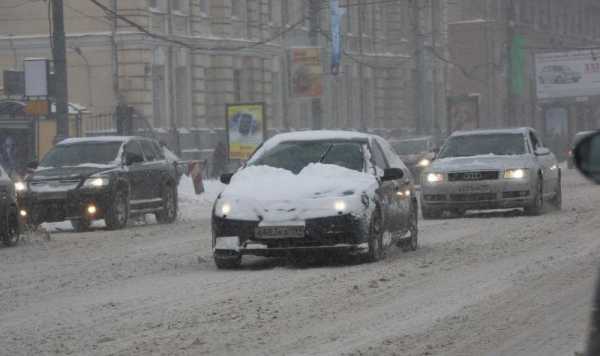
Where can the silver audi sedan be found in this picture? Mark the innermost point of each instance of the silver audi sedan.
(491, 169)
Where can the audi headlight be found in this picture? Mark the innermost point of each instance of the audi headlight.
(515, 173)
(96, 182)
(424, 163)
(20, 187)
(435, 177)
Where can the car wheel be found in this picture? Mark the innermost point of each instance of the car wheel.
(10, 229)
(537, 205)
(228, 260)
(431, 213)
(375, 238)
(412, 243)
(168, 213)
(556, 200)
(118, 213)
(81, 225)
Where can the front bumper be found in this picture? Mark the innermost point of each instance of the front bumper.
(68, 205)
(477, 195)
(343, 233)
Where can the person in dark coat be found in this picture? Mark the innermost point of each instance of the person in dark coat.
(219, 160)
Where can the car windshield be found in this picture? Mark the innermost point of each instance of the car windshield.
(410, 147)
(294, 156)
(81, 153)
(484, 144)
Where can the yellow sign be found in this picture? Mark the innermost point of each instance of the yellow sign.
(245, 129)
(37, 107)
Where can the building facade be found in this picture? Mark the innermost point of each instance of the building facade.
(493, 44)
(179, 62)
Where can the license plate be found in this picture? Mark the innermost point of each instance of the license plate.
(52, 196)
(280, 232)
(475, 188)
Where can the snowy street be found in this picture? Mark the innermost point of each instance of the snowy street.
(488, 284)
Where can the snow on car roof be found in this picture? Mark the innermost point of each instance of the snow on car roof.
(517, 130)
(70, 141)
(411, 139)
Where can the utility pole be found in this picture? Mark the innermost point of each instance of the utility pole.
(59, 55)
(361, 70)
(171, 86)
(420, 67)
(510, 35)
(315, 27)
(115, 55)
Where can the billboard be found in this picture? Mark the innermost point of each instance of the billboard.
(36, 77)
(306, 72)
(246, 129)
(567, 74)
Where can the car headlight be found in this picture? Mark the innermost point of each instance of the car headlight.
(96, 182)
(340, 206)
(20, 187)
(225, 209)
(424, 163)
(515, 173)
(435, 177)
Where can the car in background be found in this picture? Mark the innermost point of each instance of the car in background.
(417, 153)
(558, 74)
(110, 178)
(576, 139)
(491, 169)
(10, 227)
(316, 191)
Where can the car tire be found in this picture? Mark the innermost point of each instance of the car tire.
(229, 261)
(537, 206)
(81, 225)
(412, 243)
(556, 200)
(117, 213)
(375, 252)
(10, 229)
(431, 213)
(168, 213)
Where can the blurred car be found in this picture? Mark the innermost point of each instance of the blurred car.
(559, 74)
(110, 178)
(491, 169)
(316, 191)
(578, 137)
(417, 153)
(9, 212)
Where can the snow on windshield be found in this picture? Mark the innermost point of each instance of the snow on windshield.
(295, 156)
(485, 144)
(82, 154)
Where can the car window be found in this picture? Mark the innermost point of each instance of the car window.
(92, 152)
(149, 150)
(484, 144)
(133, 148)
(535, 142)
(158, 150)
(378, 156)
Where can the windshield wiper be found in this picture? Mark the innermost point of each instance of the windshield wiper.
(326, 153)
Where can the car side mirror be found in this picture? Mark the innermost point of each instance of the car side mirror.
(226, 178)
(392, 174)
(587, 156)
(33, 165)
(542, 151)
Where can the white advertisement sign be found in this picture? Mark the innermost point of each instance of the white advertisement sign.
(568, 74)
(36, 77)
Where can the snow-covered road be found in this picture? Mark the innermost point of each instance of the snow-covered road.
(491, 284)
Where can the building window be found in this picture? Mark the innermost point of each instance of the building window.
(158, 95)
(237, 8)
(181, 96)
(203, 5)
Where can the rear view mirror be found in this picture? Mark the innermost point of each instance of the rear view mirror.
(587, 156)
(32, 165)
(392, 174)
(226, 178)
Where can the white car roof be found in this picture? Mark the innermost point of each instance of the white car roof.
(122, 139)
(518, 130)
(315, 135)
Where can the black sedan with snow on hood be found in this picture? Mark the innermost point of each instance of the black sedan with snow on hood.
(316, 190)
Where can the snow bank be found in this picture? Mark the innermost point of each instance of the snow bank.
(194, 207)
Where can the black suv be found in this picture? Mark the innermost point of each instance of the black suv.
(9, 219)
(110, 178)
